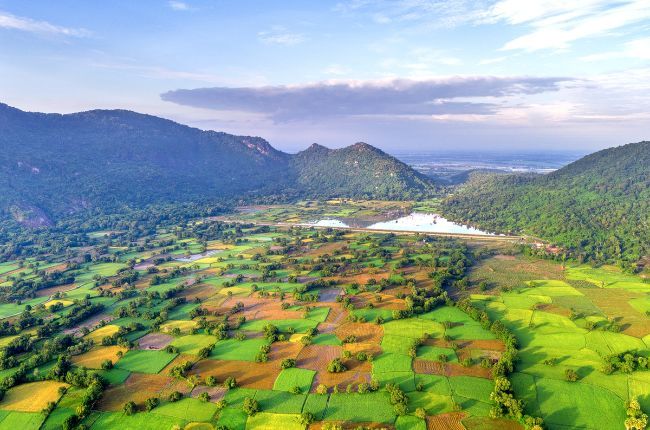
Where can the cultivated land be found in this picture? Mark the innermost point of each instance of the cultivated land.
(320, 327)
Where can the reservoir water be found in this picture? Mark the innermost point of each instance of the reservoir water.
(414, 222)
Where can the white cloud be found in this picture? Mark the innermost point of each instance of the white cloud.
(556, 24)
(279, 35)
(638, 48)
(178, 5)
(12, 22)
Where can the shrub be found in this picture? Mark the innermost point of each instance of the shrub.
(287, 363)
(336, 366)
(250, 406)
(175, 396)
(204, 397)
(570, 375)
(151, 403)
(230, 383)
(129, 408)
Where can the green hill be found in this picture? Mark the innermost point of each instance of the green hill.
(598, 206)
(54, 165)
(360, 171)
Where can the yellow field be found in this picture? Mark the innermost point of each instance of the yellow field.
(53, 302)
(31, 397)
(93, 359)
(183, 325)
(97, 335)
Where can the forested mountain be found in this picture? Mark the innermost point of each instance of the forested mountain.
(359, 170)
(598, 206)
(54, 165)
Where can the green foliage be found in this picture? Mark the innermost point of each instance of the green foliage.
(597, 207)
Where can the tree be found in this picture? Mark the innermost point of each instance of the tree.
(250, 406)
(130, 408)
(287, 363)
(151, 403)
(230, 383)
(336, 366)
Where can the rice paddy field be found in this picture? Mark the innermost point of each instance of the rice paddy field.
(259, 327)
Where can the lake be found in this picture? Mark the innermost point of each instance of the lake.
(415, 222)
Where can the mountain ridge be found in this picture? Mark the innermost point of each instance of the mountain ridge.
(110, 158)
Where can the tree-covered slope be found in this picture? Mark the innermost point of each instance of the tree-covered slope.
(598, 206)
(360, 171)
(61, 164)
(54, 165)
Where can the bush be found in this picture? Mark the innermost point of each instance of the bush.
(175, 396)
(570, 375)
(287, 363)
(151, 403)
(230, 383)
(130, 408)
(204, 397)
(250, 406)
(336, 366)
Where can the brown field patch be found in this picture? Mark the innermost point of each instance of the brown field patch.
(47, 292)
(449, 369)
(93, 359)
(388, 301)
(317, 357)
(215, 393)
(615, 304)
(363, 278)
(282, 350)
(248, 374)
(155, 341)
(31, 397)
(554, 309)
(137, 388)
(328, 295)
(358, 372)
(259, 308)
(90, 323)
(367, 347)
(449, 421)
(364, 332)
(198, 291)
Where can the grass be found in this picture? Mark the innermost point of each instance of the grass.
(280, 402)
(140, 421)
(115, 376)
(21, 420)
(145, 361)
(233, 349)
(270, 421)
(369, 407)
(31, 397)
(232, 418)
(188, 409)
(191, 344)
(433, 353)
(432, 403)
(408, 422)
(578, 405)
(294, 377)
(316, 404)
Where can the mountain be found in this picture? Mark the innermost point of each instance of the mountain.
(598, 207)
(360, 170)
(54, 165)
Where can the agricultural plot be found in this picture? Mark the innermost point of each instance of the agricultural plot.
(207, 324)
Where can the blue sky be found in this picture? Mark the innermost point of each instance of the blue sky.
(399, 74)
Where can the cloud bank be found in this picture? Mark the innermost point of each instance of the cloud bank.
(397, 97)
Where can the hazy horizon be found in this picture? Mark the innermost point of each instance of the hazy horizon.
(401, 75)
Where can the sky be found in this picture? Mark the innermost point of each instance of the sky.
(403, 75)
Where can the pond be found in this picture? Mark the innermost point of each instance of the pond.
(414, 222)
